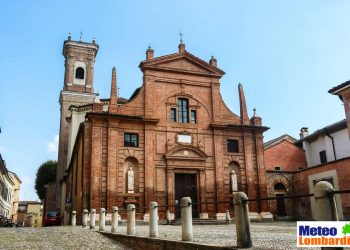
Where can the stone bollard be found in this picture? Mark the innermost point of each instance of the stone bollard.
(102, 220)
(74, 218)
(130, 227)
(167, 216)
(228, 217)
(326, 207)
(244, 239)
(31, 220)
(92, 218)
(84, 218)
(114, 219)
(186, 219)
(153, 219)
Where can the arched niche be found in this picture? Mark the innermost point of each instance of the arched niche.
(233, 166)
(134, 164)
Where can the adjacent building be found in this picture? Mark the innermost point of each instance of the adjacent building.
(343, 92)
(30, 213)
(15, 197)
(295, 166)
(326, 144)
(283, 158)
(327, 153)
(9, 192)
(173, 137)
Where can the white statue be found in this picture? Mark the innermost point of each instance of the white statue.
(130, 180)
(234, 186)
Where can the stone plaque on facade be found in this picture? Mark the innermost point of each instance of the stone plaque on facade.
(184, 139)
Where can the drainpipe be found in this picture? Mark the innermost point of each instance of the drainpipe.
(327, 133)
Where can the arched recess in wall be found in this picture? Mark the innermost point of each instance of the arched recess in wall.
(281, 184)
(279, 187)
(234, 166)
(133, 163)
(280, 191)
(79, 73)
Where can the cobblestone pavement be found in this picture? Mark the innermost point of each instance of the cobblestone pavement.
(276, 235)
(65, 237)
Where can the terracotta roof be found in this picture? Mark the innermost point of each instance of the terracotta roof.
(121, 100)
(337, 126)
(278, 140)
(340, 86)
(23, 203)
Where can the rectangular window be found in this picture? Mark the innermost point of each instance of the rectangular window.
(277, 168)
(182, 110)
(193, 116)
(131, 140)
(173, 115)
(323, 157)
(232, 146)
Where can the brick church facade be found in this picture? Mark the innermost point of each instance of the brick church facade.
(175, 133)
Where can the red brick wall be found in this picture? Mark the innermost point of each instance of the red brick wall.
(159, 156)
(343, 174)
(285, 155)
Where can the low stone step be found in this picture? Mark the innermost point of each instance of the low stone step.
(197, 221)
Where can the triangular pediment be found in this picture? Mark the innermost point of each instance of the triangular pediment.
(186, 153)
(182, 62)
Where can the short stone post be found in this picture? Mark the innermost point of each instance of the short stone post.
(186, 219)
(84, 219)
(31, 220)
(167, 216)
(102, 220)
(326, 207)
(228, 217)
(244, 239)
(114, 219)
(153, 219)
(130, 226)
(92, 218)
(74, 218)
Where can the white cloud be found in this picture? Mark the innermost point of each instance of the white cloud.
(53, 146)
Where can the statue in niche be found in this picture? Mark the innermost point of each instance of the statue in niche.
(130, 180)
(233, 178)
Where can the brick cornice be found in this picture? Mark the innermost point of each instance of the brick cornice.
(119, 117)
(156, 63)
(238, 126)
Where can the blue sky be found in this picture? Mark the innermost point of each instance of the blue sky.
(287, 55)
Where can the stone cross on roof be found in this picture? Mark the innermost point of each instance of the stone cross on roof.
(181, 37)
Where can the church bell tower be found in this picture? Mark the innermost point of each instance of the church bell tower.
(77, 90)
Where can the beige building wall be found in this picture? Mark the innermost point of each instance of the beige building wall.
(15, 196)
(37, 211)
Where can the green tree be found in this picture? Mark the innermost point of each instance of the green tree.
(46, 173)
